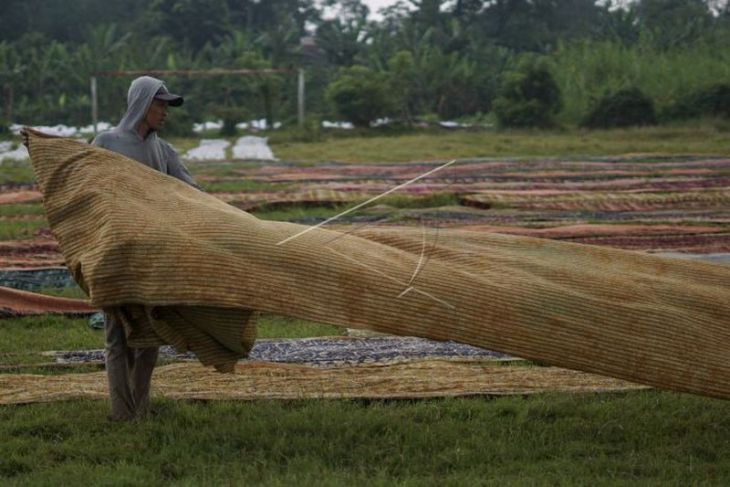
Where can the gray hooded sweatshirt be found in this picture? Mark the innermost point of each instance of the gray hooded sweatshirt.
(151, 151)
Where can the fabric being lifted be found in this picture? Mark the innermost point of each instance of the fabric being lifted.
(190, 269)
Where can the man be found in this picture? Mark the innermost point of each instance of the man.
(136, 135)
(129, 370)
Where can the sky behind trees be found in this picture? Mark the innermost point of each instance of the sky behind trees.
(376, 5)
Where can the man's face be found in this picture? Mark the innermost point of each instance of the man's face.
(156, 115)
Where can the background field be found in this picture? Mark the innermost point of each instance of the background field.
(647, 437)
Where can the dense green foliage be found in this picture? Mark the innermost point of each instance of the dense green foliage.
(529, 96)
(585, 71)
(623, 108)
(712, 100)
(440, 59)
(360, 95)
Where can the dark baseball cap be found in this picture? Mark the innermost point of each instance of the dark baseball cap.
(172, 100)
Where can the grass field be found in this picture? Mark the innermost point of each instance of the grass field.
(647, 438)
(637, 438)
(699, 138)
(383, 145)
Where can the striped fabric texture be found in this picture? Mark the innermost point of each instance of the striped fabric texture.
(186, 268)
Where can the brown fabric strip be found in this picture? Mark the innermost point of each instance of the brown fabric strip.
(260, 380)
(14, 302)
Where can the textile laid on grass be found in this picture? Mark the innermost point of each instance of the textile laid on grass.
(21, 196)
(261, 380)
(321, 197)
(182, 267)
(679, 191)
(14, 302)
(596, 201)
(34, 279)
(28, 254)
(584, 184)
(575, 232)
(251, 147)
(703, 239)
(327, 352)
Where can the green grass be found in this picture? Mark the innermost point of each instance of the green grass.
(21, 339)
(702, 137)
(298, 212)
(21, 230)
(384, 206)
(410, 201)
(694, 137)
(274, 326)
(74, 292)
(221, 169)
(46, 332)
(18, 172)
(644, 438)
(641, 438)
(241, 186)
(184, 144)
(21, 209)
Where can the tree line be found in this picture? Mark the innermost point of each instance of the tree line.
(530, 62)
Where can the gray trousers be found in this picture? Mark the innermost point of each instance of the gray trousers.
(129, 371)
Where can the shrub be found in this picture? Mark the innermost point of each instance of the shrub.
(404, 81)
(311, 131)
(712, 101)
(623, 108)
(528, 96)
(231, 116)
(360, 95)
(179, 122)
(715, 100)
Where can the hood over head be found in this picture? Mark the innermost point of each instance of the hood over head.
(139, 98)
